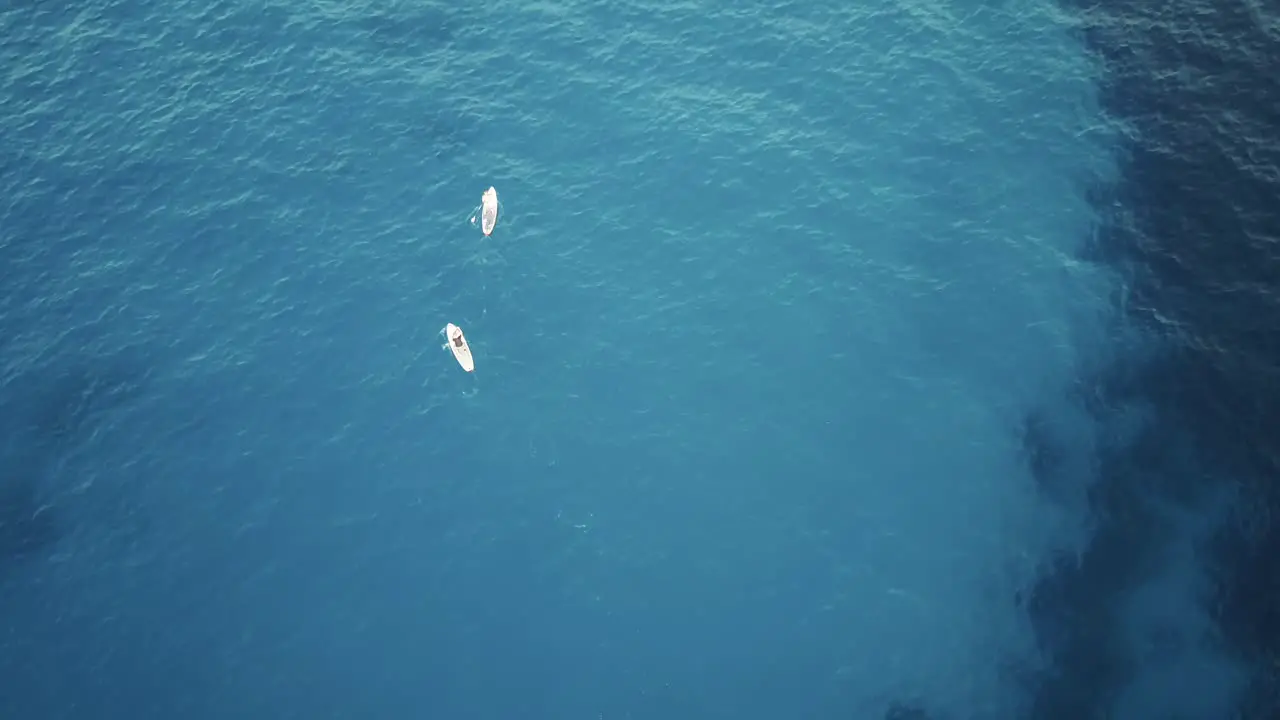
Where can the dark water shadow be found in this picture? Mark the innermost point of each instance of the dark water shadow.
(48, 414)
(1194, 225)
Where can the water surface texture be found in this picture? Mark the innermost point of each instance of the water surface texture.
(825, 361)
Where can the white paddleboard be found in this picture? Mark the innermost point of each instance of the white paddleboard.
(489, 210)
(458, 344)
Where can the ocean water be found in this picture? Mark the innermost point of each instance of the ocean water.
(827, 364)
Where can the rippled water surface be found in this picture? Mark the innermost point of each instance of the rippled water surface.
(816, 370)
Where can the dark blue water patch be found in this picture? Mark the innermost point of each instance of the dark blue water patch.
(1073, 609)
(1043, 449)
(47, 412)
(1194, 224)
(28, 529)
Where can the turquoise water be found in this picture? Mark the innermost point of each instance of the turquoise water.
(774, 289)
